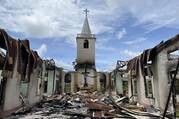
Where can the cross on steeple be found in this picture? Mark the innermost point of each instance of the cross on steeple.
(86, 27)
(86, 12)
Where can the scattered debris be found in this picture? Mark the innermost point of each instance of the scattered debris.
(82, 105)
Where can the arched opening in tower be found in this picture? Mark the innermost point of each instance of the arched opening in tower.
(86, 44)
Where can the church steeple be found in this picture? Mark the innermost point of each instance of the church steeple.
(86, 27)
(85, 45)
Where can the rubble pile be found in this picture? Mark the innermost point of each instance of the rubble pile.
(82, 105)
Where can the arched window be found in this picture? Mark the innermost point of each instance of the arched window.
(103, 82)
(86, 44)
(67, 78)
(67, 81)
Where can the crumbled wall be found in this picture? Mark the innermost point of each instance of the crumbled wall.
(12, 92)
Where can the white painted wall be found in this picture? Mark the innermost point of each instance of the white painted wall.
(163, 79)
(35, 80)
(12, 91)
(163, 86)
(85, 54)
(141, 90)
(119, 82)
(90, 80)
(129, 87)
(51, 82)
(98, 85)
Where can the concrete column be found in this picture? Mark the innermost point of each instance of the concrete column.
(110, 83)
(62, 81)
(118, 87)
(12, 90)
(163, 86)
(76, 81)
(129, 88)
(95, 81)
(72, 83)
(98, 82)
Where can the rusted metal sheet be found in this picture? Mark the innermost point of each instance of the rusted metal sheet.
(7, 43)
(133, 66)
(167, 43)
(148, 55)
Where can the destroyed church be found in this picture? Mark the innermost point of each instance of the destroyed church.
(144, 86)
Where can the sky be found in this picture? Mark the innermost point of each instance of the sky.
(123, 28)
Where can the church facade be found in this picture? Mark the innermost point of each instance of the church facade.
(85, 76)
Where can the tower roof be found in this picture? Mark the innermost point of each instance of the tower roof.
(86, 27)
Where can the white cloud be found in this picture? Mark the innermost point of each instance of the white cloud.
(152, 27)
(106, 65)
(64, 18)
(121, 33)
(50, 18)
(109, 67)
(151, 14)
(101, 45)
(66, 66)
(104, 47)
(136, 41)
(36, 18)
(129, 53)
(42, 50)
(154, 14)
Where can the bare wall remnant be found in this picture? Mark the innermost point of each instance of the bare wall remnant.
(22, 74)
(149, 74)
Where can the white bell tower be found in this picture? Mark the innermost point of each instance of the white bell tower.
(85, 46)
